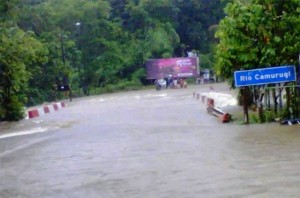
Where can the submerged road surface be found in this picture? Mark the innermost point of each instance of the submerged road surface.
(146, 144)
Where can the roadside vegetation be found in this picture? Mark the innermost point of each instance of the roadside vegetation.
(94, 46)
(261, 34)
(100, 46)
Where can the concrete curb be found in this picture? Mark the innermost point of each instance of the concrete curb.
(41, 111)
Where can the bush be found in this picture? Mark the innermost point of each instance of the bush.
(268, 116)
(253, 118)
(124, 85)
(13, 110)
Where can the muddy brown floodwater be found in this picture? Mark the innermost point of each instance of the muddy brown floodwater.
(147, 144)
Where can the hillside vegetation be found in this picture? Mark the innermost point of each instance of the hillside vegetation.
(103, 44)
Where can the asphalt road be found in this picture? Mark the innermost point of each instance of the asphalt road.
(146, 144)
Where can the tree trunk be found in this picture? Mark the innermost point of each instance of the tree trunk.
(245, 104)
(280, 99)
(288, 100)
(268, 98)
(259, 102)
(275, 100)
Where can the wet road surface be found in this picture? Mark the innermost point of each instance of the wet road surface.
(147, 144)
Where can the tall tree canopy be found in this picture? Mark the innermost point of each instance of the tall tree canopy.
(258, 33)
(20, 52)
(92, 43)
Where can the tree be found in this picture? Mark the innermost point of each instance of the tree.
(111, 44)
(8, 10)
(18, 50)
(256, 34)
(194, 20)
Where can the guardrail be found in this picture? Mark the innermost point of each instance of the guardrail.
(40, 111)
(211, 109)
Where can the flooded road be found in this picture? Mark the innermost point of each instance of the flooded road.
(147, 144)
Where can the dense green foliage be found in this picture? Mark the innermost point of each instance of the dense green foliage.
(259, 34)
(103, 44)
(22, 52)
(92, 44)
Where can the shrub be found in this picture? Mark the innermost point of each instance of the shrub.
(13, 110)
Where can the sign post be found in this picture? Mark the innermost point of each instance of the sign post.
(261, 77)
(265, 76)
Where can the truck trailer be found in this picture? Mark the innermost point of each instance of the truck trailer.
(172, 67)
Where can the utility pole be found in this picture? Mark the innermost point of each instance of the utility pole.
(65, 81)
(78, 27)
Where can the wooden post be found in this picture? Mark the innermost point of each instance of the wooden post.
(288, 100)
(280, 98)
